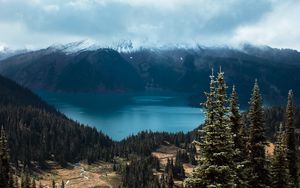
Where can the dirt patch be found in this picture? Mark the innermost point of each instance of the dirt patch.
(166, 152)
(169, 152)
(81, 175)
(270, 149)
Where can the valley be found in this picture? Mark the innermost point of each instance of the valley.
(149, 94)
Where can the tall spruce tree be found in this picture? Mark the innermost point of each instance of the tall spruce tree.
(260, 176)
(290, 140)
(4, 161)
(216, 166)
(240, 142)
(279, 168)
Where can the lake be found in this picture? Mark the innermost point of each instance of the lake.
(122, 114)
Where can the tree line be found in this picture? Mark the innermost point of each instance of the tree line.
(232, 143)
(233, 150)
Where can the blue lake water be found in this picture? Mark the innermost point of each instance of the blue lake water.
(122, 114)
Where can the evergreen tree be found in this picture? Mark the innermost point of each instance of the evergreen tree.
(33, 184)
(279, 168)
(240, 142)
(169, 178)
(62, 184)
(290, 140)
(11, 181)
(260, 176)
(4, 160)
(25, 180)
(216, 166)
(178, 170)
(16, 182)
(53, 184)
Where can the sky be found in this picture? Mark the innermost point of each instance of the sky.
(40, 23)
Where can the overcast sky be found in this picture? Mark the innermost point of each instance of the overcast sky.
(40, 23)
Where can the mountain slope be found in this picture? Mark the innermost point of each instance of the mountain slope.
(103, 69)
(175, 69)
(37, 132)
(188, 70)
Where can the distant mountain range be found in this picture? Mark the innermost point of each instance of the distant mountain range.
(84, 67)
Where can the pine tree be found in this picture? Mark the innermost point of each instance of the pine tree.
(178, 169)
(53, 184)
(4, 160)
(11, 181)
(290, 140)
(25, 180)
(240, 142)
(169, 178)
(216, 166)
(62, 184)
(260, 176)
(279, 168)
(33, 184)
(16, 182)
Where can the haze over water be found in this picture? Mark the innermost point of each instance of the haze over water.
(122, 114)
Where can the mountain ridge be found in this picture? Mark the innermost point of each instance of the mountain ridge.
(178, 69)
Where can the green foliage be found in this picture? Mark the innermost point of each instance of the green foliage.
(5, 176)
(53, 184)
(216, 166)
(260, 176)
(279, 168)
(139, 173)
(291, 153)
(240, 142)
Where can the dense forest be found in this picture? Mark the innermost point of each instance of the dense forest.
(232, 143)
(233, 149)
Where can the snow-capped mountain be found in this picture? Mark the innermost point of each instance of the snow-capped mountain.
(90, 45)
(74, 47)
(6, 52)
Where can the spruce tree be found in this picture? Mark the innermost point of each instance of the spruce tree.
(260, 176)
(4, 161)
(62, 184)
(53, 184)
(16, 182)
(290, 140)
(216, 166)
(169, 178)
(11, 181)
(27, 181)
(279, 168)
(240, 141)
(33, 184)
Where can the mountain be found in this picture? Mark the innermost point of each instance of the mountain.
(99, 70)
(85, 68)
(188, 69)
(6, 52)
(37, 132)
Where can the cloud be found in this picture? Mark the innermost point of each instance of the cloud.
(39, 23)
(279, 28)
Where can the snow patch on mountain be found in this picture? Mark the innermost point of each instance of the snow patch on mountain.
(6, 52)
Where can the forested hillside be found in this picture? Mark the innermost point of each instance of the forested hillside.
(143, 69)
(37, 133)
